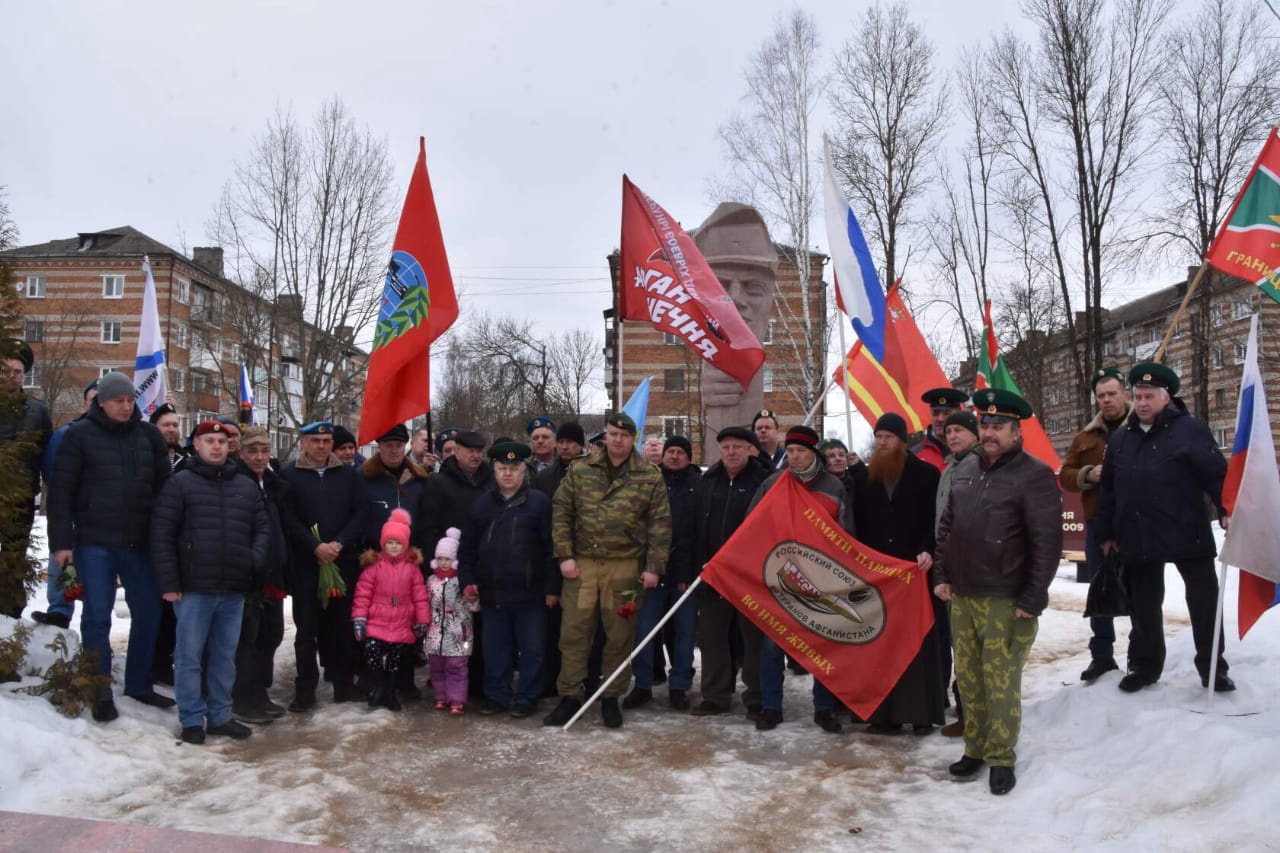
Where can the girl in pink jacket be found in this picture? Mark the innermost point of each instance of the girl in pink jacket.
(390, 609)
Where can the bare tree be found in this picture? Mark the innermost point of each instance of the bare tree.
(68, 325)
(307, 220)
(771, 151)
(575, 356)
(962, 234)
(891, 113)
(8, 228)
(1218, 95)
(1074, 117)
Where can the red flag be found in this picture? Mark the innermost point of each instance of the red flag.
(993, 373)
(852, 616)
(909, 369)
(664, 280)
(418, 304)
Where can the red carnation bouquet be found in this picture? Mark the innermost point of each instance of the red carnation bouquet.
(70, 584)
(331, 583)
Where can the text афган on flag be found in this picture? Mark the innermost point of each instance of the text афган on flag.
(149, 378)
(664, 280)
(852, 616)
(418, 305)
(1251, 496)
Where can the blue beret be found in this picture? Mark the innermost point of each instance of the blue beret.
(317, 428)
(539, 423)
(445, 435)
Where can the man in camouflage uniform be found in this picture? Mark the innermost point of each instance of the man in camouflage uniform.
(999, 543)
(611, 525)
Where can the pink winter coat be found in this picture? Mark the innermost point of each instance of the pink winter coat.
(391, 596)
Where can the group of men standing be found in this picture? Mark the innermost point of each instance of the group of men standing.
(575, 556)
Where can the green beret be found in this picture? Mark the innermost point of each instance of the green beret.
(19, 349)
(944, 398)
(510, 452)
(764, 413)
(622, 420)
(996, 405)
(962, 419)
(832, 442)
(1154, 374)
(1102, 374)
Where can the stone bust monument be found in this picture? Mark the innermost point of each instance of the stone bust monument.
(737, 246)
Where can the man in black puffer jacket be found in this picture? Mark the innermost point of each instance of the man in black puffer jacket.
(506, 558)
(107, 472)
(1161, 477)
(210, 536)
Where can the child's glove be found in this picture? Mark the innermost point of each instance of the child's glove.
(420, 630)
(360, 627)
(470, 593)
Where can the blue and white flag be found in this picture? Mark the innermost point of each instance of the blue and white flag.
(858, 290)
(637, 406)
(148, 368)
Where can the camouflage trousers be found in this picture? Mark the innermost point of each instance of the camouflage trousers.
(991, 648)
(593, 598)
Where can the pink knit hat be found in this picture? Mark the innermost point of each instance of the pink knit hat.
(448, 546)
(397, 528)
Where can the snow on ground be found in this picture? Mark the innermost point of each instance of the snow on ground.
(1165, 768)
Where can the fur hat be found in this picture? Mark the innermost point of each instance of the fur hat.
(448, 546)
(397, 528)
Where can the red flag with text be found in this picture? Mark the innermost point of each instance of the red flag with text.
(852, 616)
(896, 385)
(418, 305)
(663, 279)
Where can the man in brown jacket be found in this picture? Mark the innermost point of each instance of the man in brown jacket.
(1082, 472)
(999, 544)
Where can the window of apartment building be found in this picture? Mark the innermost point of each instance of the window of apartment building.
(199, 383)
(1220, 435)
(113, 287)
(673, 380)
(1241, 351)
(33, 331)
(767, 379)
(103, 371)
(184, 291)
(31, 378)
(206, 415)
(1135, 339)
(1217, 357)
(1154, 334)
(1220, 397)
(1109, 346)
(111, 331)
(35, 287)
(231, 351)
(670, 339)
(1242, 309)
(674, 426)
(1053, 396)
(180, 335)
(768, 333)
(178, 379)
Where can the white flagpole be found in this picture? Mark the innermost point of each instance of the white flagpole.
(640, 646)
(826, 389)
(848, 403)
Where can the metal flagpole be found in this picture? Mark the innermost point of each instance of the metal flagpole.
(848, 402)
(617, 389)
(1217, 629)
(640, 646)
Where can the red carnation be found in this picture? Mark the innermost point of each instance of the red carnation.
(627, 608)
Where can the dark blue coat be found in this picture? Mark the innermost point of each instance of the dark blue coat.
(106, 476)
(386, 492)
(681, 487)
(1158, 488)
(506, 549)
(210, 532)
(335, 502)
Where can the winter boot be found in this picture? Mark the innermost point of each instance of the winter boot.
(377, 689)
(390, 698)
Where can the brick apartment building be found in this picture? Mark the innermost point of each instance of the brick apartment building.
(675, 397)
(1207, 352)
(83, 306)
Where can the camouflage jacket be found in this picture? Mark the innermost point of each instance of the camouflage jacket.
(593, 518)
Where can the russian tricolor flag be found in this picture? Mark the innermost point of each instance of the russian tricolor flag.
(1251, 496)
(858, 290)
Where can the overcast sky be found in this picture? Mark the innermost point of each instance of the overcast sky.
(134, 113)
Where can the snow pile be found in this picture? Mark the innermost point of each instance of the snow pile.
(1097, 768)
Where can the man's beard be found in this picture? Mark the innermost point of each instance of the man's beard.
(886, 465)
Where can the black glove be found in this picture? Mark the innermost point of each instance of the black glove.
(420, 630)
(361, 629)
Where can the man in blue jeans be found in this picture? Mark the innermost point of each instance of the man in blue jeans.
(210, 536)
(108, 469)
(682, 478)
